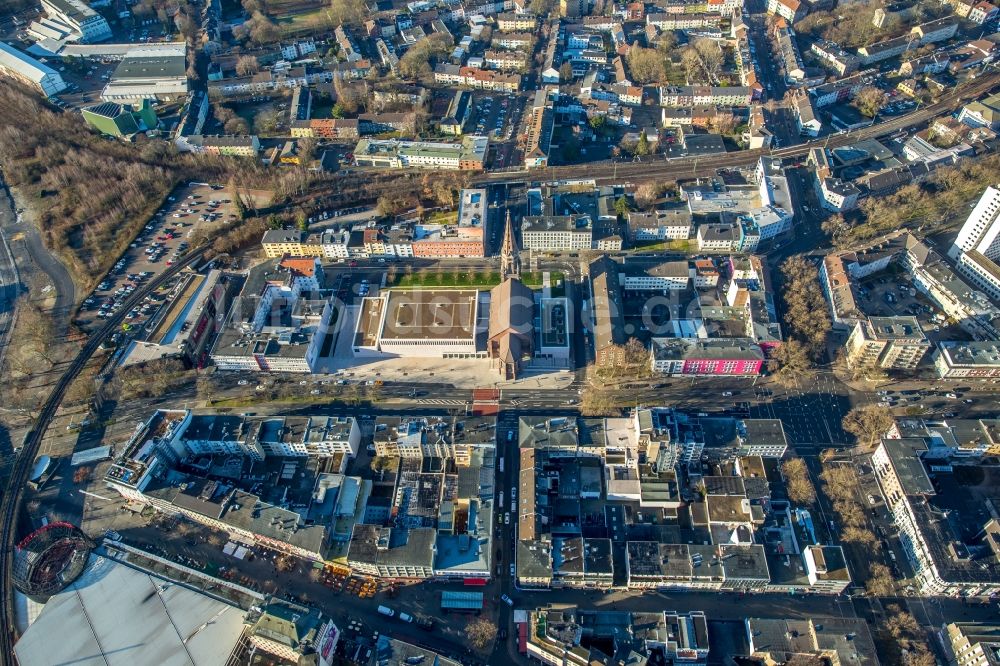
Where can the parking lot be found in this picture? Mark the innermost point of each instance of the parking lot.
(885, 295)
(162, 242)
(493, 115)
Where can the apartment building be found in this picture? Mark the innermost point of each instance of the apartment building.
(505, 61)
(228, 145)
(540, 125)
(947, 560)
(705, 96)
(973, 644)
(790, 10)
(895, 343)
(671, 21)
(511, 22)
(659, 225)
(834, 57)
(325, 128)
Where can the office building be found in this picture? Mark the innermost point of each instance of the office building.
(976, 250)
(74, 19)
(469, 154)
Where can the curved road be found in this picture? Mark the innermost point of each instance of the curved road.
(23, 463)
(42, 259)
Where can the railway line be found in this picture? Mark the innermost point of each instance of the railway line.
(11, 501)
(692, 166)
(602, 171)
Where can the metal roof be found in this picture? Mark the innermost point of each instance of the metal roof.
(117, 615)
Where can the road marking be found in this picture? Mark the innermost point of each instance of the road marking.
(106, 499)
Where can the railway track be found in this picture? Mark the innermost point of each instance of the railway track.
(23, 463)
(693, 166)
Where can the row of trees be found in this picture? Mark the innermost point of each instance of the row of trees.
(807, 322)
(840, 484)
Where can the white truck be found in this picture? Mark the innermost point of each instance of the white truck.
(405, 618)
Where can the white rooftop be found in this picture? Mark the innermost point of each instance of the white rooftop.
(115, 615)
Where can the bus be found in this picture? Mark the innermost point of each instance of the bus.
(501, 464)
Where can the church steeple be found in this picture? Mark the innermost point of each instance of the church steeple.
(510, 255)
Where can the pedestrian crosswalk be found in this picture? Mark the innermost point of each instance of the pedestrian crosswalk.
(442, 401)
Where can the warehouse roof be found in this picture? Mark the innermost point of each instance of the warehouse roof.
(116, 614)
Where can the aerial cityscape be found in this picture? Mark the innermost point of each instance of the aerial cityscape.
(500, 332)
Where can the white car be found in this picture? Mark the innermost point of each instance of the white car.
(243, 382)
(507, 600)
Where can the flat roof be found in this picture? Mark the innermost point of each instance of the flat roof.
(118, 615)
(430, 314)
(147, 65)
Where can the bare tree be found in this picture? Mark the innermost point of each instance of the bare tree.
(868, 423)
(800, 487)
(481, 633)
(247, 65)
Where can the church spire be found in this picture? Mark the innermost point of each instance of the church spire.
(510, 256)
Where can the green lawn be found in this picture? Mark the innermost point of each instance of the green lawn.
(443, 217)
(464, 279)
(303, 21)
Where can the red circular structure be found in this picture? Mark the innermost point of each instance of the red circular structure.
(50, 558)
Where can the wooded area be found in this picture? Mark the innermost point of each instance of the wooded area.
(91, 194)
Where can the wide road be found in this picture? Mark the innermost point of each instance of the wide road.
(693, 166)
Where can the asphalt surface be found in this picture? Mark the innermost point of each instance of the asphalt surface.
(29, 241)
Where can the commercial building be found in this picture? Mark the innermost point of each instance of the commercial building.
(834, 639)
(949, 541)
(564, 634)
(667, 276)
(112, 603)
(151, 74)
(292, 632)
(555, 233)
(973, 360)
(892, 343)
(120, 119)
(71, 20)
(707, 357)
(976, 249)
(280, 322)
(23, 68)
(420, 323)
(467, 155)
